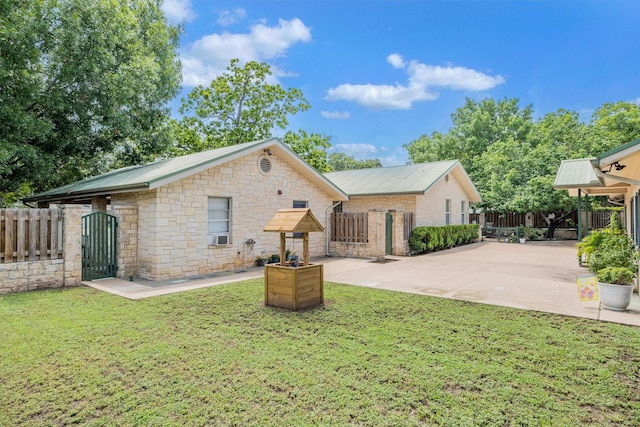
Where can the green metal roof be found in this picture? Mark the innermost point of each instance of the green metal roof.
(156, 174)
(619, 149)
(577, 173)
(409, 179)
(144, 176)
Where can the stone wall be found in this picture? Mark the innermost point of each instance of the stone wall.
(53, 273)
(375, 248)
(172, 220)
(431, 206)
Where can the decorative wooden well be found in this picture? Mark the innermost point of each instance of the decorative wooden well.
(287, 286)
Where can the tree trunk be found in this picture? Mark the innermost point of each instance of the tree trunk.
(554, 223)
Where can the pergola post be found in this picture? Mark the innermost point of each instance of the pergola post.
(579, 214)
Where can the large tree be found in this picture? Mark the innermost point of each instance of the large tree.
(342, 161)
(83, 87)
(512, 159)
(312, 148)
(476, 126)
(616, 124)
(238, 106)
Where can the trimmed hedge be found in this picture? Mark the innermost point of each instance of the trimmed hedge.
(432, 238)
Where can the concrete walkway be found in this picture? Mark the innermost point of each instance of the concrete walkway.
(538, 276)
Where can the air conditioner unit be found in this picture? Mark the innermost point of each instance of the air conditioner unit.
(218, 239)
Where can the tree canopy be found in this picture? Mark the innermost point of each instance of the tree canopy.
(83, 87)
(238, 106)
(341, 161)
(311, 147)
(513, 159)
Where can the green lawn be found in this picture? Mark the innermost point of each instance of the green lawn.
(218, 357)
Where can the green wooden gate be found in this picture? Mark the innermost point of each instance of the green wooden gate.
(99, 231)
(388, 235)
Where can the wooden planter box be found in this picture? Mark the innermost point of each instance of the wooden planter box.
(293, 287)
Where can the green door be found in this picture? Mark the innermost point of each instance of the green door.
(99, 232)
(388, 233)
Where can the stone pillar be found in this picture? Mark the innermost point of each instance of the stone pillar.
(99, 204)
(376, 234)
(528, 220)
(127, 250)
(72, 244)
(400, 246)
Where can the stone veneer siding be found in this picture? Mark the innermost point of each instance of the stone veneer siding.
(431, 207)
(171, 227)
(53, 273)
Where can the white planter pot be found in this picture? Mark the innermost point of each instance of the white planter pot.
(522, 240)
(615, 297)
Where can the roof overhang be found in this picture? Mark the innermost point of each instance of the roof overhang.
(611, 174)
(83, 191)
(86, 196)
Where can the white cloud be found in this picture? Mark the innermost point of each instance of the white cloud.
(422, 79)
(210, 55)
(636, 101)
(230, 17)
(338, 115)
(396, 60)
(178, 11)
(380, 97)
(456, 78)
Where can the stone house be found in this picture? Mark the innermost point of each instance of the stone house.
(205, 212)
(436, 193)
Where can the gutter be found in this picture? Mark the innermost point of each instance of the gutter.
(326, 229)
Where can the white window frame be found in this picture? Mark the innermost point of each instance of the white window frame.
(463, 211)
(447, 212)
(216, 220)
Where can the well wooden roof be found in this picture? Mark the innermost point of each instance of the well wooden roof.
(295, 220)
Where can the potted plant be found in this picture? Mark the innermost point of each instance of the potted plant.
(615, 286)
(259, 261)
(612, 257)
(274, 258)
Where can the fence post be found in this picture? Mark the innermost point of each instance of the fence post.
(399, 243)
(376, 220)
(72, 244)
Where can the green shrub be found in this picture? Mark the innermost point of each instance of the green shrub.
(616, 275)
(610, 247)
(435, 238)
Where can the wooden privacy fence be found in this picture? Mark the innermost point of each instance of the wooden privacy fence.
(596, 219)
(409, 224)
(30, 234)
(350, 227)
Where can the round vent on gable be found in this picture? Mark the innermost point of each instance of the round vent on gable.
(264, 164)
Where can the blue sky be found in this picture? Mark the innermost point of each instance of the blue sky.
(379, 74)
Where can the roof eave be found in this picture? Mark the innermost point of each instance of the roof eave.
(619, 153)
(393, 193)
(208, 164)
(61, 197)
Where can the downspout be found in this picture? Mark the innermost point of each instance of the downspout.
(326, 229)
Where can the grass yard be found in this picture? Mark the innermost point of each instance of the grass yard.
(218, 357)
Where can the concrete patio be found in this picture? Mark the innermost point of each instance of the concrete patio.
(538, 276)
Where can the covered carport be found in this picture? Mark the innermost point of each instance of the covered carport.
(614, 175)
